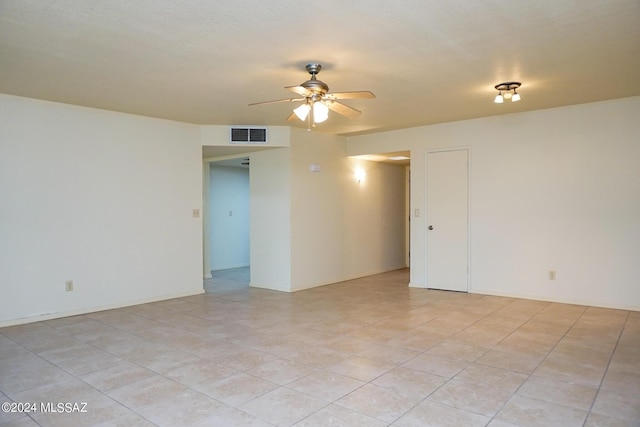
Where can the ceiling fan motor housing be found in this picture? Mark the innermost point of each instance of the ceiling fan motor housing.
(314, 85)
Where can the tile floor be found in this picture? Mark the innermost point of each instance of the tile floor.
(368, 352)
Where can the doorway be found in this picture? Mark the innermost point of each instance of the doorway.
(447, 186)
(227, 225)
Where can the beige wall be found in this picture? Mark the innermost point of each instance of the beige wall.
(555, 189)
(314, 228)
(101, 198)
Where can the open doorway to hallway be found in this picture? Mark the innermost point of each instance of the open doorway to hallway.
(226, 235)
(401, 159)
(228, 280)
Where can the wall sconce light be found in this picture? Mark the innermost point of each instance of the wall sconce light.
(509, 89)
(360, 174)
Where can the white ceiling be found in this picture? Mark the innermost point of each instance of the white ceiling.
(428, 61)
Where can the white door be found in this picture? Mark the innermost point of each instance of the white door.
(447, 220)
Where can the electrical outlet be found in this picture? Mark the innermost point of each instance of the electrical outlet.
(68, 285)
(552, 275)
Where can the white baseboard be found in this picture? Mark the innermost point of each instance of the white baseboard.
(558, 300)
(57, 315)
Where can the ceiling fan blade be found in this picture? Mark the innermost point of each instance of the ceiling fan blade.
(361, 94)
(343, 109)
(278, 100)
(292, 117)
(302, 91)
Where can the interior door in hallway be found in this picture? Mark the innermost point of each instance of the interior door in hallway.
(447, 220)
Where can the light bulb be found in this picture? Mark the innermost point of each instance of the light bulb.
(302, 111)
(320, 112)
(515, 97)
(499, 99)
(507, 95)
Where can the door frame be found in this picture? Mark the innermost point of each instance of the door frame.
(426, 203)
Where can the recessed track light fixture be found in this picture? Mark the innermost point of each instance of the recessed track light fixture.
(507, 90)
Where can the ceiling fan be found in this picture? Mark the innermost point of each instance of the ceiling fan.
(317, 101)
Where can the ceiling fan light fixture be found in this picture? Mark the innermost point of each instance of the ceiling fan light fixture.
(515, 97)
(320, 112)
(499, 99)
(302, 111)
(317, 100)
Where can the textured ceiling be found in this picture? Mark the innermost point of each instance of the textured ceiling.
(428, 61)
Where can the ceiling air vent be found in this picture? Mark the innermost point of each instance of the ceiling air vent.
(248, 135)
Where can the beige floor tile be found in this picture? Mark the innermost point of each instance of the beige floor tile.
(417, 340)
(361, 368)
(141, 350)
(622, 381)
(630, 336)
(237, 389)
(99, 409)
(570, 372)
(513, 362)
(77, 324)
(498, 423)
(379, 402)
(166, 361)
(28, 374)
(410, 381)
(597, 420)
(281, 371)
(525, 411)
(10, 414)
(457, 350)
(316, 356)
(348, 344)
(499, 379)
(89, 363)
(326, 385)
(479, 336)
(68, 390)
(545, 326)
(389, 354)
(116, 376)
(530, 343)
(479, 398)
(370, 340)
(72, 352)
(20, 421)
(246, 359)
(434, 414)
(234, 417)
(146, 391)
(182, 409)
(605, 315)
(594, 329)
(200, 373)
(337, 416)
(617, 405)
(436, 365)
(283, 406)
(336, 327)
(559, 392)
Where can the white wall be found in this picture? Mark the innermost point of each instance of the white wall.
(314, 228)
(375, 219)
(270, 180)
(101, 198)
(555, 189)
(229, 216)
(342, 229)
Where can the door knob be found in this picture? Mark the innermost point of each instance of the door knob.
(431, 227)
